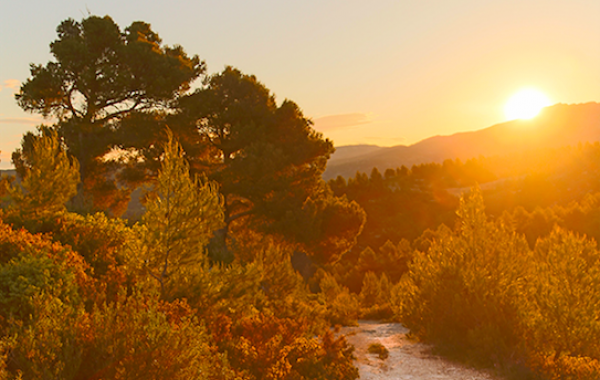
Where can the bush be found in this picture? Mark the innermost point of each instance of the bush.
(567, 367)
(47, 347)
(261, 316)
(379, 349)
(562, 312)
(464, 292)
(374, 297)
(140, 337)
(343, 307)
(32, 265)
(481, 292)
(103, 243)
(267, 347)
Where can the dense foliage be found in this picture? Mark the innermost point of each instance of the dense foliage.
(514, 286)
(202, 284)
(243, 259)
(77, 304)
(268, 162)
(100, 77)
(480, 291)
(49, 177)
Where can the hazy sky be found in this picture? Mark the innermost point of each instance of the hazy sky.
(376, 72)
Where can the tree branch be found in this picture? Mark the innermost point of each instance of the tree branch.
(231, 218)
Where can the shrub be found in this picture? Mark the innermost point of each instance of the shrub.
(141, 337)
(105, 245)
(562, 316)
(374, 297)
(482, 292)
(32, 265)
(379, 349)
(47, 347)
(267, 347)
(342, 307)
(567, 367)
(464, 292)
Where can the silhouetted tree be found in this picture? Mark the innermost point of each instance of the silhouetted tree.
(99, 77)
(267, 158)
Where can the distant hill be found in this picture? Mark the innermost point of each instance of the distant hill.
(8, 172)
(555, 126)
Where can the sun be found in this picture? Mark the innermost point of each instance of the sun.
(525, 104)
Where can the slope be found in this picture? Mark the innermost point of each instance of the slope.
(555, 126)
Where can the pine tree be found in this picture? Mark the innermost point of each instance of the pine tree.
(182, 213)
(106, 87)
(49, 176)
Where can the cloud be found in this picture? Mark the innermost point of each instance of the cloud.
(335, 122)
(5, 156)
(21, 120)
(13, 84)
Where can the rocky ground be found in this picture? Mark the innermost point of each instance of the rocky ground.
(407, 359)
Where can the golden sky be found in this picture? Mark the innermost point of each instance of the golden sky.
(378, 72)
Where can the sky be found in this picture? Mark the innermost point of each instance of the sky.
(377, 72)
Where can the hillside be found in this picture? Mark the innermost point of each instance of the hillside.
(8, 172)
(555, 126)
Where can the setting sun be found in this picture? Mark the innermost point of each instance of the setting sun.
(525, 104)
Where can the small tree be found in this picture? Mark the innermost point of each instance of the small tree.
(49, 176)
(566, 282)
(182, 213)
(465, 292)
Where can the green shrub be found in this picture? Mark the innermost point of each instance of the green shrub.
(342, 307)
(374, 297)
(464, 292)
(46, 348)
(563, 311)
(567, 367)
(483, 293)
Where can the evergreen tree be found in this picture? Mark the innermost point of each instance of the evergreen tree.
(101, 76)
(268, 161)
(465, 292)
(182, 213)
(49, 176)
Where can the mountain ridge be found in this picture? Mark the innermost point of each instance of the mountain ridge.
(555, 126)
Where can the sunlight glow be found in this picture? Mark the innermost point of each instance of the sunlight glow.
(525, 104)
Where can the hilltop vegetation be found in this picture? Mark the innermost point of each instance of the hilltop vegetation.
(556, 126)
(245, 258)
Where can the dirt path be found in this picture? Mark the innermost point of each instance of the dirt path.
(407, 359)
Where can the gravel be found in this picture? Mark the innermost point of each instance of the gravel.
(407, 359)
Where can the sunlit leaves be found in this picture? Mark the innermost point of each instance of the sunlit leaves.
(49, 176)
(482, 291)
(181, 214)
(566, 297)
(464, 291)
